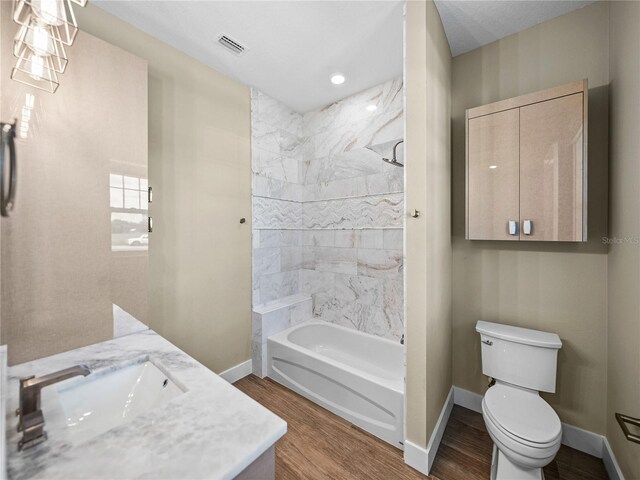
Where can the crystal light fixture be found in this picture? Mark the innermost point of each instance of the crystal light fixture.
(27, 114)
(57, 14)
(46, 26)
(41, 42)
(35, 70)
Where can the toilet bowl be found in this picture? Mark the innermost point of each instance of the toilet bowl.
(525, 430)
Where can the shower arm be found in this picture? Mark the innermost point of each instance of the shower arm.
(395, 149)
(394, 159)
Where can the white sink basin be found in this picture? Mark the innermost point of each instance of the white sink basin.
(90, 406)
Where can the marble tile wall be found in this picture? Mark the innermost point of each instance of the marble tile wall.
(270, 319)
(277, 199)
(328, 212)
(353, 208)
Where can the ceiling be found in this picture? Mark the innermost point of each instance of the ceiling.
(470, 24)
(293, 47)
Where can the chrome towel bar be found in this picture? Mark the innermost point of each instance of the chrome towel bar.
(623, 420)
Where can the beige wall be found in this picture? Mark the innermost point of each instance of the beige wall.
(559, 287)
(624, 259)
(129, 276)
(428, 245)
(199, 167)
(56, 246)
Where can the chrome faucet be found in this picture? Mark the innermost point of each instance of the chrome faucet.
(31, 422)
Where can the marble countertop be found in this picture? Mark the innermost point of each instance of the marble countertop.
(211, 431)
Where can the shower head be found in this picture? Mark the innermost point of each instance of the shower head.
(394, 160)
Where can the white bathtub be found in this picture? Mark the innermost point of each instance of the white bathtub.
(355, 375)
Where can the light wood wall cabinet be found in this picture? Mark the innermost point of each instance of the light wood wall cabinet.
(527, 167)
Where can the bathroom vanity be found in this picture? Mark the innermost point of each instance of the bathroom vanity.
(147, 410)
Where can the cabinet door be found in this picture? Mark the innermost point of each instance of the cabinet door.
(551, 169)
(493, 176)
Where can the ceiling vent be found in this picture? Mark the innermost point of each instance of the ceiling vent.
(231, 45)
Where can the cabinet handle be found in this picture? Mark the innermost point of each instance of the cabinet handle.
(513, 227)
(527, 227)
(8, 200)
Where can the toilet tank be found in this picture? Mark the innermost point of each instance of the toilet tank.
(519, 356)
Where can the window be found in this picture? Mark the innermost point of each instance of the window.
(129, 212)
(128, 192)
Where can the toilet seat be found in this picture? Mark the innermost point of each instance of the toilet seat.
(523, 426)
(516, 439)
(522, 415)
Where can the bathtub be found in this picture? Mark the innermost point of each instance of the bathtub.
(357, 376)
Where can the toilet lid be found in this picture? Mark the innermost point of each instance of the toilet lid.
(523, 414)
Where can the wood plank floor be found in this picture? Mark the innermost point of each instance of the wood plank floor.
(465, 452)
(320, 445)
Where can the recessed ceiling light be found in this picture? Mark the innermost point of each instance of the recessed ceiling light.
(493, 167)
(337, 78)
(371, 108)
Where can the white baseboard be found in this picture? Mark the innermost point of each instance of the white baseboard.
(467, 399)
(236, 373)
(582, 440)
(416, 457)
(574, 437)
(610, 462)
(420, 458)
(438, 431)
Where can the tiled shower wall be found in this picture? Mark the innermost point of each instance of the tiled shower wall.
(277, 199)
(328, 211)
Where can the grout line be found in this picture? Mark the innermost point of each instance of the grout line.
(327, 229)
(329, 199)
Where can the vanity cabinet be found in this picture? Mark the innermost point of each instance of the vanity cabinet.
(526, 167)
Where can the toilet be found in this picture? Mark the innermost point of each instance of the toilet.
(525, 430)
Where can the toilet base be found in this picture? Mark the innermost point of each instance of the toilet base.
(503, 469)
